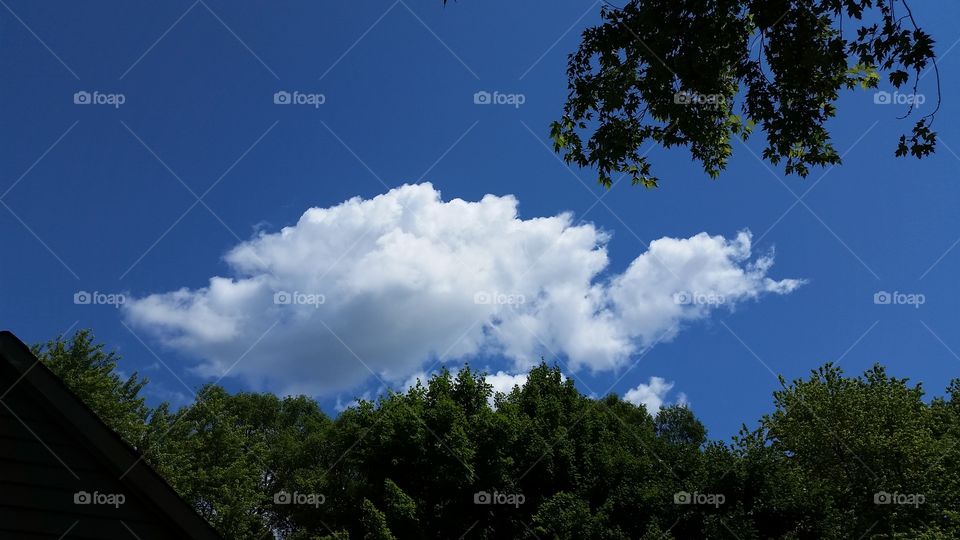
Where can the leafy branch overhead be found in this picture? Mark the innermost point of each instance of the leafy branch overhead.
(698, 73)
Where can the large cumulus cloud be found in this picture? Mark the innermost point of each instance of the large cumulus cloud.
(392, 284)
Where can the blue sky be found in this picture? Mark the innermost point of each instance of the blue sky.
(104, 198)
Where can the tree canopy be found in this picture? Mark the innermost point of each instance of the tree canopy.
(91, 372)
(697, 74)
(838, 457)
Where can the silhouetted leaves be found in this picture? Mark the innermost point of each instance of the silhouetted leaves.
(698, 73)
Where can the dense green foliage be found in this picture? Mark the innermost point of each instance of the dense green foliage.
(838, 457)
(699, 73)
(92, 374)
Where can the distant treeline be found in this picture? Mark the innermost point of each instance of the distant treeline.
(838, 457)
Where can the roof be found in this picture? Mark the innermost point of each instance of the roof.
(39, 398)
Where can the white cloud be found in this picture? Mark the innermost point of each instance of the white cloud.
(419, 377)
(392, 284)
(652, 394)
(504, 382)
(341, 406)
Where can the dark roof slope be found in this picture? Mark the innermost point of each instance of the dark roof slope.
(65, 474)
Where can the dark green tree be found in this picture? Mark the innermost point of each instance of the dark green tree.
(374, 523)
(838, 457)
(235, 457)
(842, 456)
(698, 73)
(92, 373)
